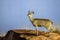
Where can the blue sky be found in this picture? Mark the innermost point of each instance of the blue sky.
(13, 13)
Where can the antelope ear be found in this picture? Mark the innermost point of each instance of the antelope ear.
(28, 13)
(33, 12)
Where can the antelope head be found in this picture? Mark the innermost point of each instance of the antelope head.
(30, 13)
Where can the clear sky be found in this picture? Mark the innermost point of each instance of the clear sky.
(13, 13)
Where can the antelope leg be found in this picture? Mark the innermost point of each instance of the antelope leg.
(37, 31)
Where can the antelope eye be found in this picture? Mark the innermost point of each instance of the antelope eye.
(29, 15)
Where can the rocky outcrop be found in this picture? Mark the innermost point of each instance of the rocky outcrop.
(30, 35)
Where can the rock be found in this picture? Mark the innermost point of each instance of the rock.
(30, 35)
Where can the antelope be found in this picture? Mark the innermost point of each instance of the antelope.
(39, 22)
